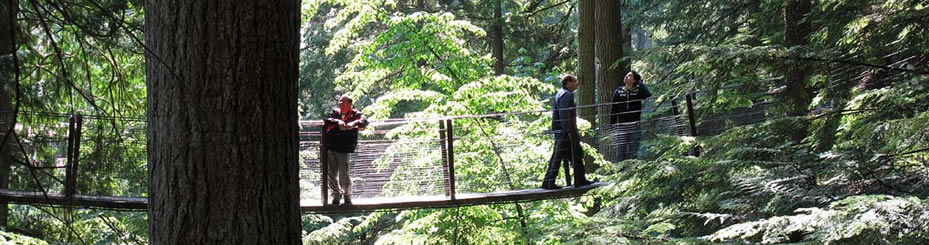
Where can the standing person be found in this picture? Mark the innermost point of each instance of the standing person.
(567, 139)
(342, 127)
(626, 113)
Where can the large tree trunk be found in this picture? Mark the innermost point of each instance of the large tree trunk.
(609, 49)
(797, 30)
(8, 10)
(497, 38)
(626, 40)
(222, 121)
(586, 72)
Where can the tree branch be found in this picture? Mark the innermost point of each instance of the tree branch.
(849, 62)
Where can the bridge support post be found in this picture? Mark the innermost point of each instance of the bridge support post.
(74, 155)
(323, 166)
(444, 146)
(451, 157)
(693, 121)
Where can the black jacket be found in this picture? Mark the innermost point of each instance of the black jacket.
(339, 140)
(564, 120)
(631, 109)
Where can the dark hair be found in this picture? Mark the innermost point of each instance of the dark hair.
(566, 79)
(345, 97)
(638, 78)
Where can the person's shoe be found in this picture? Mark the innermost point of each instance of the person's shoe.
(585, 182)
(335, 202)
(551, 187)
(348, 202)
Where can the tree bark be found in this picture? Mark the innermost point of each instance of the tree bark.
(586, 71)
(222, 113)
(609, 49)
(497, 36)
(8, 11)
(797, 29)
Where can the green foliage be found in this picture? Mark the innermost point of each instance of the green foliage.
(13, 238)
(351, 229)
(79, 57)
(318, 69)
(871, 219)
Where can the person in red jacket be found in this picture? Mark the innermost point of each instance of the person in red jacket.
(342, 126)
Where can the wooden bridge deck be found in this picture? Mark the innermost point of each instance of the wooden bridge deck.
(462, 199)
(56, 199)
(312, 206)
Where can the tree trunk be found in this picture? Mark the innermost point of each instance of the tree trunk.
(609, 49)
(626, 40)
(497, 42)
(797, 30)
(222, 113)
(8, 10)
(586, 72)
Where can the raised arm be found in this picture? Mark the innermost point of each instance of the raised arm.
(645, 92)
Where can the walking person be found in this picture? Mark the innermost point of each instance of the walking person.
(626, 113)
(567, 138)
(342, 126)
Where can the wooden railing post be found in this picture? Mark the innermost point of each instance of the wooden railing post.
(74, 155)
(693, 121)
(323, 165)
(444, 146)
(451, 158)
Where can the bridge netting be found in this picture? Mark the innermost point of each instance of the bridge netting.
(397, 160)
(58, 154)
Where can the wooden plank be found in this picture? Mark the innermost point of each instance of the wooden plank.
(56, 199)
(461, 200)
(361, 204)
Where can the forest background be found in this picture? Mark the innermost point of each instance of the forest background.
(841, 156)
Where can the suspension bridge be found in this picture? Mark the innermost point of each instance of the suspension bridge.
(400, 163)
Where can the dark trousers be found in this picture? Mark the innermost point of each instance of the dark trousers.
(627, 136)
(566, 150)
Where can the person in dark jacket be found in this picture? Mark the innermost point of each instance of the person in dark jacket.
(626, 113)
(567, 139)
(342, 126)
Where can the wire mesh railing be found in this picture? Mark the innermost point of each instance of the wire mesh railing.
(59, 155)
